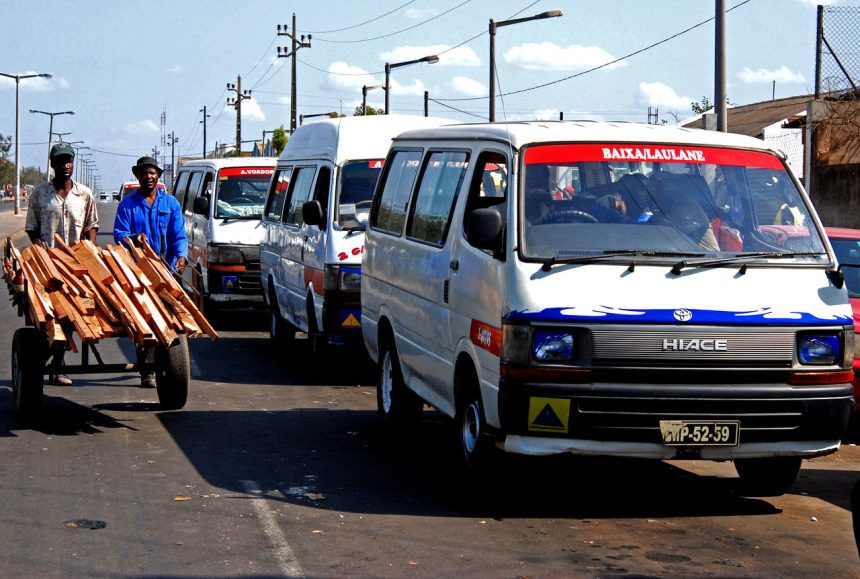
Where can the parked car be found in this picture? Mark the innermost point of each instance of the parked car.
(314, 222)
(606, 289)
(846, 246)
(222, 200)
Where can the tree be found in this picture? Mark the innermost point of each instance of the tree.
(370, 111)
(279, 139)
(5, 145)
(705, 105)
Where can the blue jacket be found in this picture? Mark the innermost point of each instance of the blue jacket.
(162, 221)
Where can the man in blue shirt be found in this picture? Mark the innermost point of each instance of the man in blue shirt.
(153, 215)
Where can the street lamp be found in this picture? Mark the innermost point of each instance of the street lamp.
(493, 26)
(51, 133)
(364, 90)
(388, 66)
(18, 78)
(331, 115)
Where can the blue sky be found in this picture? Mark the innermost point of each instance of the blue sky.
(120, 65)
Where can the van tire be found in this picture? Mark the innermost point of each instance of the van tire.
(397, 406)
(316, 338)
(767, 477)
(472, 444)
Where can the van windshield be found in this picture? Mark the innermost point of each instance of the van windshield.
(357, 182)
(582, 199)
(242, 192)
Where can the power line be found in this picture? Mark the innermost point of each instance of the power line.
(360, 23)
(604, 65)
(399, 31)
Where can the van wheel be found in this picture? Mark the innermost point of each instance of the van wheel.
(281, 332)
(767, 477)
(397, 406)
(473, 445)
(316, 338)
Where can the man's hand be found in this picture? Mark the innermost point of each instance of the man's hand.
(139, 239)
(181, 264)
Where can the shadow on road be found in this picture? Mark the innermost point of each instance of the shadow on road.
(58, 417)
(342, 455)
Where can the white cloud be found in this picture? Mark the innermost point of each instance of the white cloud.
(251, 111)
(144, 127)
(467, 86)
(416, 87)
(38, 84)
(421, 13)
(661, 96)
(550, 56)
(460, 56)
(763, 75)
(175, 69)
(345, 77)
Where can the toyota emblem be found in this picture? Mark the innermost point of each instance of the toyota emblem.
(683, 315)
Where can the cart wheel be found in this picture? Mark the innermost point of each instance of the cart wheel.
(29, 353)
(172, 374)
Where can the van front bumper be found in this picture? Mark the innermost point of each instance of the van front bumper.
(623, 419)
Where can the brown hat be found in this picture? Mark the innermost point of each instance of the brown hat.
(143, 162)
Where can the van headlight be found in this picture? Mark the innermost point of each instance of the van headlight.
(818, 349)
(341, 278)
(223, 254)
(552, 346)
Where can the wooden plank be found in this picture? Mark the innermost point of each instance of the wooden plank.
(162, 327)
(62, 245)
(60, 312)
(97, 270)
(165, 312)
(41, 304)
(127, 272)
(117, 271)
(182, 313)
(73, 281)
(71, 264)
(144, 335)
(56, 337)
(101, 302)
(54, 279)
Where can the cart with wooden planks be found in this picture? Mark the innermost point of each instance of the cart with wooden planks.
(98, 293)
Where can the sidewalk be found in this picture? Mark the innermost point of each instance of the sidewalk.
(11, 224)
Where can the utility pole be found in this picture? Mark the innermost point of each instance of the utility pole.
(205, 116)
(172, 140)
(653, 118)
(720, 65)
(298, 43)
(236, 102)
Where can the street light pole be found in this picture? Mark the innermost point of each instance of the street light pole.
(431, 59)
(51, 133)
(493, 26)
(18, 78)
(364, 90)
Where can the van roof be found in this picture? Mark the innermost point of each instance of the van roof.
(349, 138)
(220, 163)
(519, 134)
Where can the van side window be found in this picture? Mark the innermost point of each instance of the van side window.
(193, 188)
(300, 191)
(180, 187)
(489, 186)
(437, 190)
(206, 190)
(321, 190)
(389, 213)
(278, 194)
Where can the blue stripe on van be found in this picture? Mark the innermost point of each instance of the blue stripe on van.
(764, 316)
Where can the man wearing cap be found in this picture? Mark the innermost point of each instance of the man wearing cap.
(64, 207)
(156, 217)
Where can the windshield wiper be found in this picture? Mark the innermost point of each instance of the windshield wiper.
(676, 269)
(354, 228)
(547, 265)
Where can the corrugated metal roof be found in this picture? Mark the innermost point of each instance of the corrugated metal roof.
(751, 119)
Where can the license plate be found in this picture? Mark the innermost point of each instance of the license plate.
(699, 432)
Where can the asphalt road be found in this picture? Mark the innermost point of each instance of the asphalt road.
(276, 467)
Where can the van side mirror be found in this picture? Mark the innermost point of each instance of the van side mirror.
(312, 213)
(201, 206)
(486, 227)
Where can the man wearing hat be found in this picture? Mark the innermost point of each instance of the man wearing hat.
(157, 217)
(64, 207)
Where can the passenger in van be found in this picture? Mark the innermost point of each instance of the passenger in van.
(681, 210)
(537, 193)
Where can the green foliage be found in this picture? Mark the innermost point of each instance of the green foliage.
(370, 111)
(33, 176)
(279, 139)
(702, 107)
(5, 145)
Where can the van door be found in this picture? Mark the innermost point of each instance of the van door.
(292, 251)
(271, 271)
(315, 253)
(426, 319)
(198, 239)
(477, 288)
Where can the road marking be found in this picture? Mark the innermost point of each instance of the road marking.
(283, 553)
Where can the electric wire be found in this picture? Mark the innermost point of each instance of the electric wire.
(381, 16)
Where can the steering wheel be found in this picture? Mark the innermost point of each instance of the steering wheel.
(567, 216)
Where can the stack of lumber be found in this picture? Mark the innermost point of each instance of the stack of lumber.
(102, 292)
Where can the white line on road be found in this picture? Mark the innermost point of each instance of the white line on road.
(283, 553)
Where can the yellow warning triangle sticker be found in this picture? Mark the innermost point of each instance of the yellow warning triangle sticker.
(549, 414)
(229, 284)
(351, 322)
